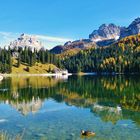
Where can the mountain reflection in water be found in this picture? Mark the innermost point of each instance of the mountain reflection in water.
(102, 95)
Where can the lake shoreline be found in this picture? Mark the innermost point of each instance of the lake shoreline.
(104, 73)
(69, 74)
(44, 75)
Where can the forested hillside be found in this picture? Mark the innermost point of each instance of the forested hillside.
(5, 61)
(121, 57)
(25, 57)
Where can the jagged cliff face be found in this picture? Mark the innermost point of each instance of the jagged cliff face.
(26, 41)
(104, 36)
(132, 29)
(108, 34)
(105, 32)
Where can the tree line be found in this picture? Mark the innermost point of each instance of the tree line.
(121, 57)
(30, 57)
(25, 56)
(5, 61)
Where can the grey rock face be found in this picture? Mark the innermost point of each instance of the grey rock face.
(105, 32)
(26, 41)
(132, 29)
(108, 34)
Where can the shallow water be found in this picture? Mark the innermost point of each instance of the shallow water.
(58, 108)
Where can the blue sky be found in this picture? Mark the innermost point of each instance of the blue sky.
(62, 20)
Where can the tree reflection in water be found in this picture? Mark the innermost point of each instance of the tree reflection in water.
(103, 95)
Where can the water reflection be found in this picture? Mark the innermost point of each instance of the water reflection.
(110, 98)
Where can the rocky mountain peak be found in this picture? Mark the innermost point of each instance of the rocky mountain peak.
(105, 32)
(136, 21)
(109, 33)
(132, 29)
(28, 41)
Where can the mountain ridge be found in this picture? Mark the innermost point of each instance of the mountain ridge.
(105, 35)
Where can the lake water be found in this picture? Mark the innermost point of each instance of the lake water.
(45, 108)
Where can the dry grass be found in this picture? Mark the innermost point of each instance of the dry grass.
(38, 68)
(6, 136)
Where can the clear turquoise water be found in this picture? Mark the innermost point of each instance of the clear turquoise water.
(57, 109)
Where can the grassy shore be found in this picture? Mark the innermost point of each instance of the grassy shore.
(38, 68)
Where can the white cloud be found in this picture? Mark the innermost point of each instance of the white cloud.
(50, 42)
(47, 41)
(53, 39)
(7, 37)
